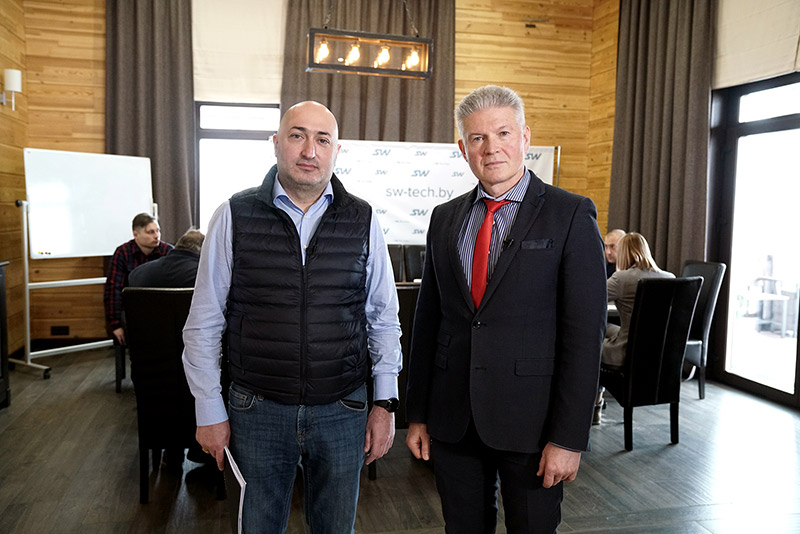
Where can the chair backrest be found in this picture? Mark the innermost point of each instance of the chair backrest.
(415, 258)
(396, 257)
(660, 321)
(154, 332)
(712, 274)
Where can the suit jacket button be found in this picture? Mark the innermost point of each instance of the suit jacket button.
(477, 324)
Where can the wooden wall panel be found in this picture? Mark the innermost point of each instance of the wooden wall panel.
(603, 84)
(548, 63)
(65, 42)
(13, 138)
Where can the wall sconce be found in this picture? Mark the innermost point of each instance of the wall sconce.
(12, 82)
(377, 54)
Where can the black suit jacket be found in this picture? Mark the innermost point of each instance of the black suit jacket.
(525, 365)
(176, 269)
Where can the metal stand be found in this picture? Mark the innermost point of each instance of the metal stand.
(29, 355)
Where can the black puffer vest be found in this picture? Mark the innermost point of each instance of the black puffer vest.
(296, 334)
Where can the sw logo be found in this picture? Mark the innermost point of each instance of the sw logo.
(339, 171)
(421, 153)
(458, 174)
(533, 156)
(455, 154)
(381, 171)
(420, 173)
(418, 213)
(380, 211)
(382, 152)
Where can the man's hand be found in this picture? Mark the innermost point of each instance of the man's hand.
(380, 433)
(214, 439)
(418, 441)
(119, 333)
(558, 465)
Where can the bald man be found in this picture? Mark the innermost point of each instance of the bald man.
(610, 241)
(297, 272)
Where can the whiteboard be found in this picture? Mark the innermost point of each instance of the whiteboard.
(82, 204)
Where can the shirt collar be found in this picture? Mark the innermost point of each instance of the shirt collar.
(515, 194)
(279, 193)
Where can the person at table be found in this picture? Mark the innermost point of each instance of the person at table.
(145, 246)
(610, 247)
(634, 263)
(176, 269)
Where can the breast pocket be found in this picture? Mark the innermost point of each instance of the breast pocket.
(538, 244)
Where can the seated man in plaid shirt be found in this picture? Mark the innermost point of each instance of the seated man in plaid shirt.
(145, 246)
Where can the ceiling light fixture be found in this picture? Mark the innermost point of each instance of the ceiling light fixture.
(376, 54)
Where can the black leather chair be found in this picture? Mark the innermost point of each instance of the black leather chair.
(414, 259)
(651, 374)
(164, 404)
(396, 256)
(697, 346)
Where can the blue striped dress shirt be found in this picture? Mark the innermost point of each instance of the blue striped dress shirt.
(503, 221)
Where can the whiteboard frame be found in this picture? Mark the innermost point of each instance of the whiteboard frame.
(81, 204)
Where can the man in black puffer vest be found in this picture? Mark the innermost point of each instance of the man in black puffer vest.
(298, 273)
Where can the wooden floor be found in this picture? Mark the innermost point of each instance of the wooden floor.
(68, 463)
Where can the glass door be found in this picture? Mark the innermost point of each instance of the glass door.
(765, 261)
(756, 212)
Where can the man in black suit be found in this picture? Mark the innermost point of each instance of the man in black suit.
(503, 374)
(177, 269)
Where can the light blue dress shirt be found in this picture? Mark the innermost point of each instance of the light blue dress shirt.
(202, 334)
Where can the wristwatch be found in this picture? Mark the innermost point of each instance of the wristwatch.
(390, 405)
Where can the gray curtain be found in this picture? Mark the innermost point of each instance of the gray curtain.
(661, 127)
(150, 99)
(371, 107)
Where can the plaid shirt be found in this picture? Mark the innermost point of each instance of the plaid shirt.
(126, 258)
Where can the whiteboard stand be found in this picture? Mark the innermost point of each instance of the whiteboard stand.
(30, 355)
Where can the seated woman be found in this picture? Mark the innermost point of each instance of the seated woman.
(634, 262)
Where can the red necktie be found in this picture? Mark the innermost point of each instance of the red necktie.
(480, 258)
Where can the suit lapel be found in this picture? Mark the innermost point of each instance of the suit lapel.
(459, 214)
(531, 206)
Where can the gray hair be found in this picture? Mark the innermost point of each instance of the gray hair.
(489, 96)
(192, 241)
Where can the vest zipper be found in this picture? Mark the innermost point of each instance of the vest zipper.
(303, 331)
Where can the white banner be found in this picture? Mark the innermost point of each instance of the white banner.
(404, 181)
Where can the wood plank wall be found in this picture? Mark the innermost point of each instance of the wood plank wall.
(13, 138)
(66, 72)
(563, 68)
(560, 68)
(603, 88)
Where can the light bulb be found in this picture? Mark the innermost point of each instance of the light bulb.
(353, 56)
(322, 51)
(383, 57)
(413, 59)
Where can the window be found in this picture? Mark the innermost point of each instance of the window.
(234, 147)
(754, 190)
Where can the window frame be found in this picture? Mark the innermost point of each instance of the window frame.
(726, 130)
(216, 133)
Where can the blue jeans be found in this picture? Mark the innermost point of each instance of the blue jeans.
(269, 440)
